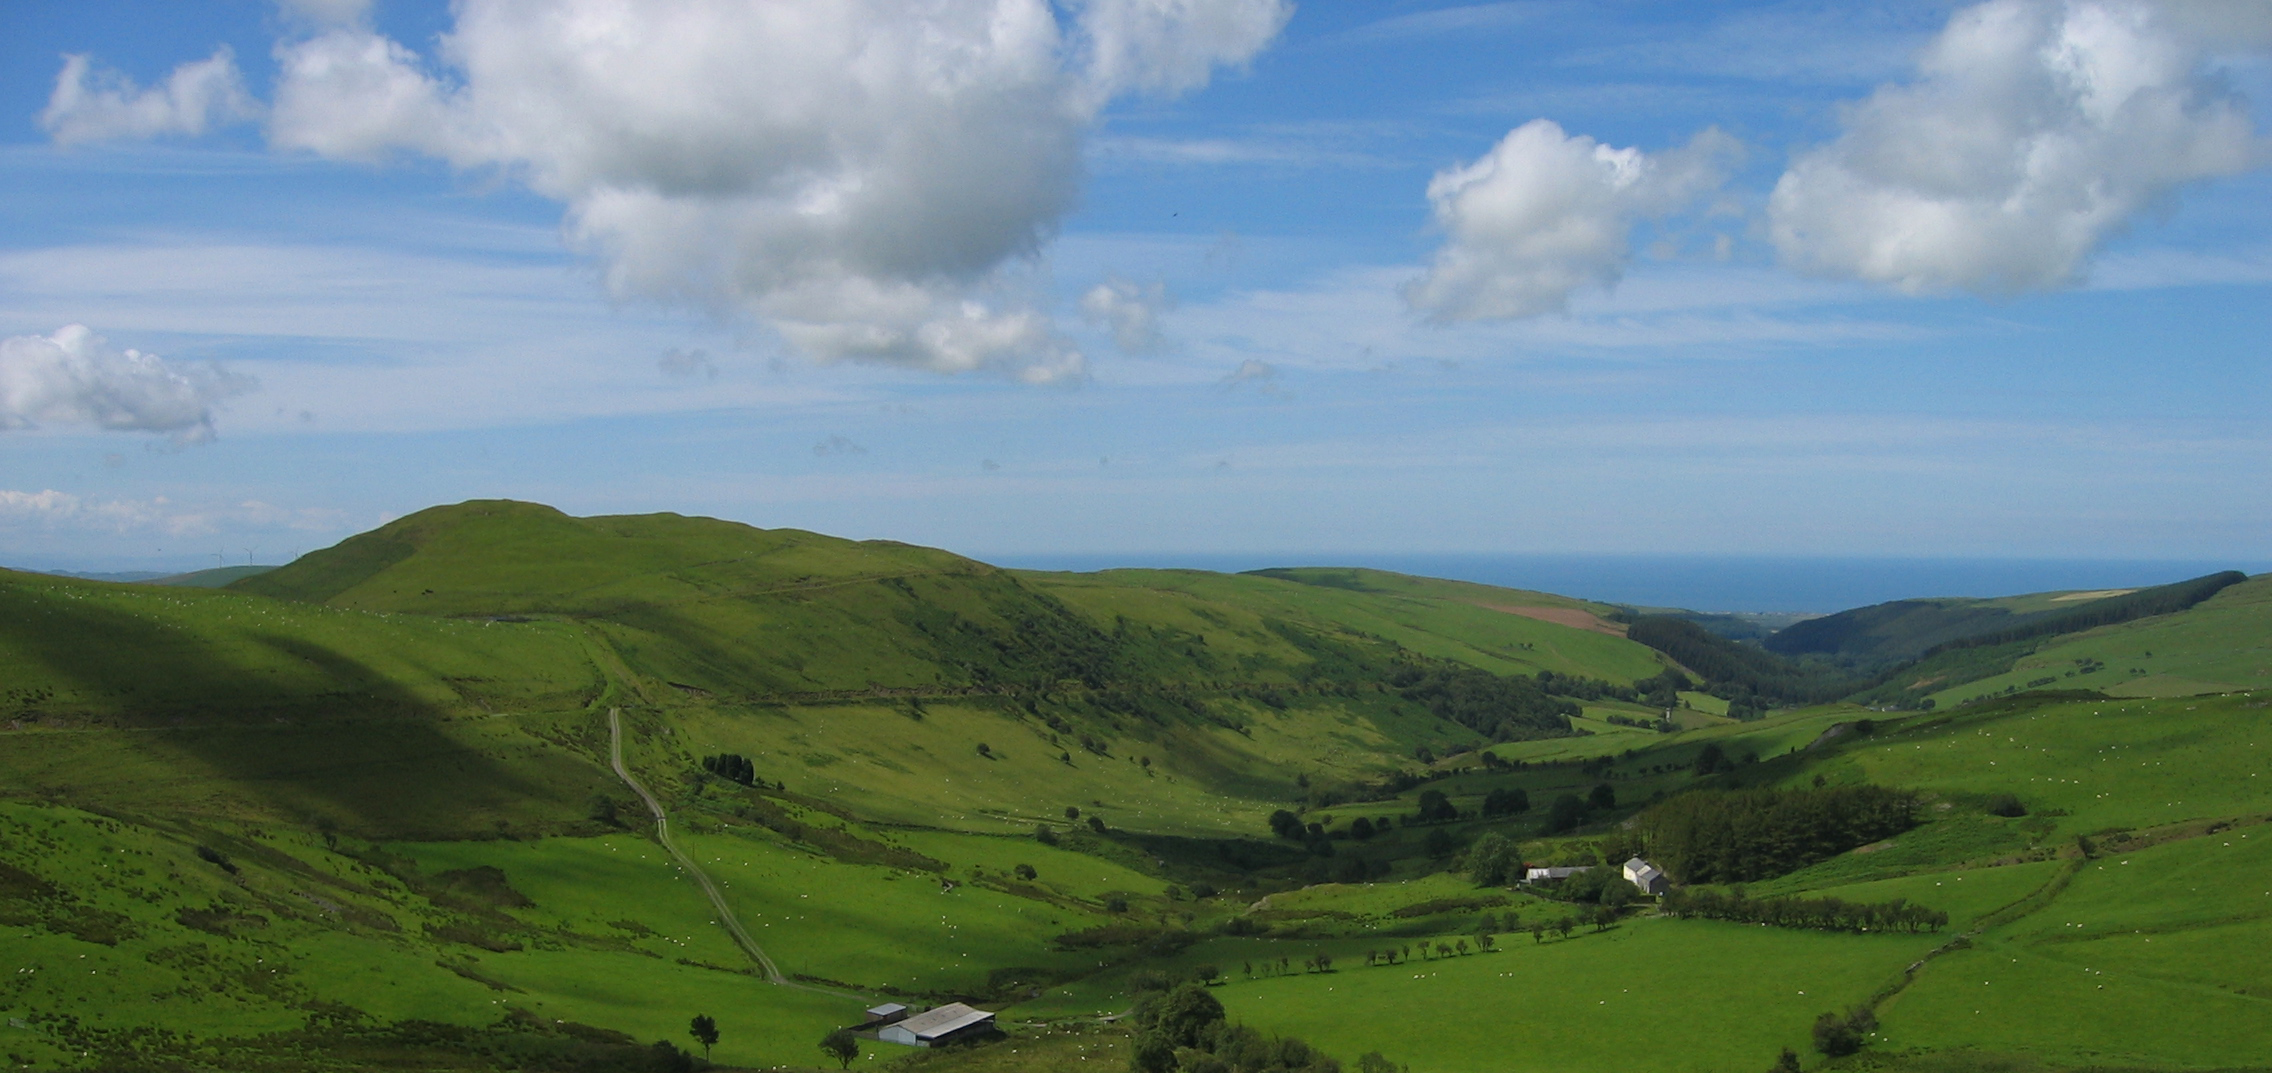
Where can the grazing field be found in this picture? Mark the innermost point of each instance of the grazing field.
(2223, 644)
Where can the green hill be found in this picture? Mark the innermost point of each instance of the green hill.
(214, 578)
(1872, 637)
(360, 812)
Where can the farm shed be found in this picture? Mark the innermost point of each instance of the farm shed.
(1555, 874)
(888, 1013)
(1650, 878)
(942, 1024)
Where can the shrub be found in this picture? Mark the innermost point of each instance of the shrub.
(1838, 1037)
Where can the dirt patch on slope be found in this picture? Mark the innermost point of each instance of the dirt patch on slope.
(1575, 618)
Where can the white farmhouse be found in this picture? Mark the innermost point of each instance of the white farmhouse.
(1646, 876)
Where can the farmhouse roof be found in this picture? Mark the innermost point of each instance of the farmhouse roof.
(888, 1009)
(952, 1017)
(1556, 872)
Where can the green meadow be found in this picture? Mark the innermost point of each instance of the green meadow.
(287, 823)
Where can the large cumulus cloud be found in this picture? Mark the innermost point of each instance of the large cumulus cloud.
(75, 377)
(2033, 130)
(857, 173)
(1546, 213)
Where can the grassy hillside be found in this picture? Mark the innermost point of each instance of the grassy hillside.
(357, 813)
(2223, 644)
(214, 578)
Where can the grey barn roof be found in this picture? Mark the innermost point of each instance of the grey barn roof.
(952, 1017)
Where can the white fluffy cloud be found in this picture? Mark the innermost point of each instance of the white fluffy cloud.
(75, 377)
(1132, 311)
(2033, 131)
(92, 105)
(857, 173)
(1545, 213)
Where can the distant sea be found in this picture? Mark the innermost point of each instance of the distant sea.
(1709, 583)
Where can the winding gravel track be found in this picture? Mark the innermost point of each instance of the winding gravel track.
(726, 915)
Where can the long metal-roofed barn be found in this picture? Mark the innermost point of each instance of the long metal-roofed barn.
(938, 1025)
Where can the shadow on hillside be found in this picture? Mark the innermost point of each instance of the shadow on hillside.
(340, 746)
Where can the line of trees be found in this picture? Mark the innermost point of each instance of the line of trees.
(1820, 914)
(1738, 836)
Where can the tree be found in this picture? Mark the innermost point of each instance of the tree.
(1494, 861)
(841, 1045)
(1043, 835)
(1325, 963)
(1565, 926)
(1072, 812)
(1374, 1062)
(705, 1032)
(1602, 796)
(1025, 871)
(1435, 807)
(1537, 932)
(1506, 801)
(1788, 1062)
(1180, 1016)
(1096, 825)
(601, 809)
(1567, 812)
(1439, 843)
(1285, 824)
(1712, 759)
(1360, 829)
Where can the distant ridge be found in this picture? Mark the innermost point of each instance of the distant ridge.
(1884, 634)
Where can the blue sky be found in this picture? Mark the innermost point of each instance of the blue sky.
(1121, 278)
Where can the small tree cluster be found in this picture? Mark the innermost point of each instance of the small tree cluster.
(732, 767)
(1838, 1036)
(1505, 801)
(1182, 1030)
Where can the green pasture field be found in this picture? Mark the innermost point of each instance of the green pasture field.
(1061, 871)
(868, 926)
(2147, 958)
(2105, 764)
(1737, 993)
(2223, 644)
(1203, 780)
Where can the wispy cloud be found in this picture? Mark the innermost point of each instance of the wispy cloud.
(1229, 152)
(1464, 19)
(53, 510)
